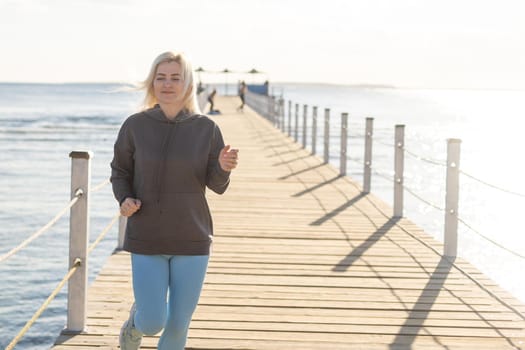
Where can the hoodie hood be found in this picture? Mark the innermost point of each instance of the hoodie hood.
(157, 114)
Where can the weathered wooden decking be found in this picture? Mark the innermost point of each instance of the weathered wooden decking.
(302, 260)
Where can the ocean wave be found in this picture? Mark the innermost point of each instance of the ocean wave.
(54, 128)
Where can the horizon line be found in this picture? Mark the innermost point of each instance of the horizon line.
(361, 85)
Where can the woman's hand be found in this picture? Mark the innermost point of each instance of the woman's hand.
(130, 206)
(228, 158)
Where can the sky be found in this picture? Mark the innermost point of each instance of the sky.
(405, 43)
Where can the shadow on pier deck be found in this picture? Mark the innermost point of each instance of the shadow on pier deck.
(303, 260)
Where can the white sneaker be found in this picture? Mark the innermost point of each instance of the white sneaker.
(130, 337)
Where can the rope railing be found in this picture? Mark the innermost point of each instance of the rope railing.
(444, 164)
(382, 175)
(355, 160)
(491, 185)
(66, 278)
(78, 249)
(466, 224)
(491, 240)
(391, 145)
(46, 303)
(103, 233)
(52, 222)
(424, 159)
(470, 227)
(262, 104)
(356, 135)
(406, 188)
(409, 190)
(39, 232)
(415, 155)
(430, 204)
(100, 186)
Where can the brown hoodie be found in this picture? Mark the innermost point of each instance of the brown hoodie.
(167, 164)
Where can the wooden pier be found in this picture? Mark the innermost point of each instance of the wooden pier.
(303, 260)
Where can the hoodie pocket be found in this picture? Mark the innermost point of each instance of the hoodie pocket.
(185, 216)
(145, 222)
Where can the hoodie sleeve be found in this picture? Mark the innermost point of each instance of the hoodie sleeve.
(216, 178)
(122, 165)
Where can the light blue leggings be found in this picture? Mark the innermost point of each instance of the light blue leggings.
(153, 276)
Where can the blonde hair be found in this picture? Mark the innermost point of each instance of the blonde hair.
(190, 97)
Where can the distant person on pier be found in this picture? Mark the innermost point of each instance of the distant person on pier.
(242, 94)
(164, 158)
(200, 88)
(211, 98)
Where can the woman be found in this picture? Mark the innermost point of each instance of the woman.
(164, 158)
(211, 98)
(242, 94)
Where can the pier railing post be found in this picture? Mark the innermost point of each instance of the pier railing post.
(122, 222)
(281, 114)
(367, 172)
(314, 130)
(263, 105)
(268, 111)
(399, 161)
(275, 111)
(272, 110)
(78, 240)
(289, 118)
(326, 139)
(344, 141)
(452, 199)
(305, 122)
(296, 131)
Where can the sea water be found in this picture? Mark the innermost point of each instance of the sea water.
(40, 124)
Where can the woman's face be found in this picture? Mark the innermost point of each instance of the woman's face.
(168, 84)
